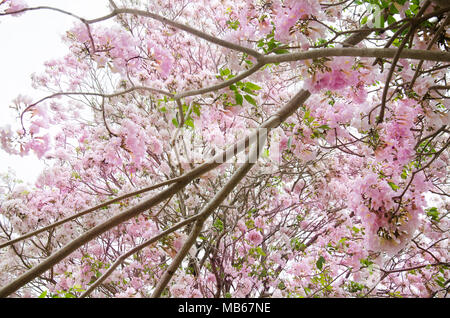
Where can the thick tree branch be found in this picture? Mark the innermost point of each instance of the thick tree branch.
(437, 56)
(206, 212)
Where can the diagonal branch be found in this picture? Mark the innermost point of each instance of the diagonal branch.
(88, 236)
(430, 45)
(206, 212)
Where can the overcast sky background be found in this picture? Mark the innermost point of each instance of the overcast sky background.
(27, 42)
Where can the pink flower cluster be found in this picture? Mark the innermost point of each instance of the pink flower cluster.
(254, 237)
(389, 222)
(289, 13)
(15, 5)
(397, 138)
(120, 50)
(340, 76)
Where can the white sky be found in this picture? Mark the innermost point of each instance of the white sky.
(27, 42)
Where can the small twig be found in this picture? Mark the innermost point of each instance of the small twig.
(104, 119)
(395, 60)
(430, 45)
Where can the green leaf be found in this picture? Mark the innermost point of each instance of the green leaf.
(404, 174)
(307, 114)
(260, 251)
(250, 99)
(233, 24)
(320, 262)
(440, 281)
(365, 262)
(218, 225)
(324, 127)
(196, 109)
(239, 99)
(249, 91)
(189, 122)
(393, 186)
(175, 122)
(433, 213)
(252, 86)
(379, 21)
(364, 20)
(248, 62)
(44, 293)
(225, 72)
(280, 51)
(391, 20)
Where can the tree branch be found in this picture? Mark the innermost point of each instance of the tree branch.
(206, 212)
(437, 56)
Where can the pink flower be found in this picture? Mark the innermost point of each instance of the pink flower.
(16, 5)
(40, 145)
(339, 81)
(164, 65)
(156, 146)
(178, 243)
(288, 18)
(259, 222)
(323, 81)
(136, 283)
(241, 225)
(178, 290)
(162, 59)
(254, 237)
(96, 250)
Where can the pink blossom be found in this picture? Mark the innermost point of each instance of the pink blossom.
(254, 237)
(16, 5)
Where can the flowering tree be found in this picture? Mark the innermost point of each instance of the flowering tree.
(265, 148)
